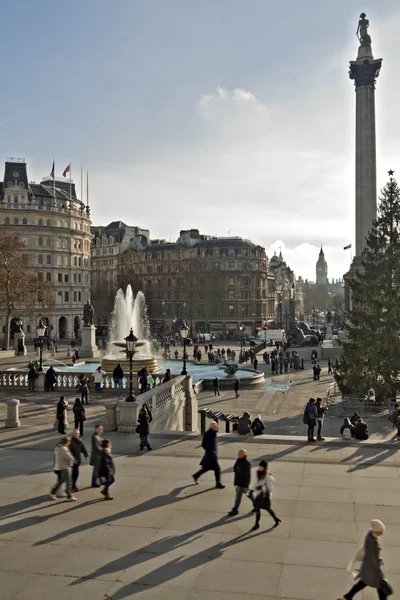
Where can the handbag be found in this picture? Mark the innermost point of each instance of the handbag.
(386, 588)
(305, 417)
(137, 430)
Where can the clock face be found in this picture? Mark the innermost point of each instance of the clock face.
(15, 174)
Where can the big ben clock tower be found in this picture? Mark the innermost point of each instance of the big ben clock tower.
(321, 269)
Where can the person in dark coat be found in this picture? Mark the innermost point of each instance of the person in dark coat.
(50, 379)
(76, 448)
(255, 363)
(216, 386)
(143, 428)
(242, 478)
(62, 407)
(84, 388)
(209, 462)
(261, 494)
(236, 386)
(118, 376)
(96, 441)
(167, 376)
(79, 415)
(311, 414)
(106, 469)
(361, 430)
(32, 375)
(244, 424)
(258, 426)
(371, 572)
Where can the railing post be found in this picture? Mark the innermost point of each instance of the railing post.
(227, 426)
(203, 423)
(12, 419)
(110, 423)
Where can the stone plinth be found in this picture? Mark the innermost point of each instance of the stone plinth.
(12, 419)
(19, 343)
(88, 348)
(110, 421)
(128, 414)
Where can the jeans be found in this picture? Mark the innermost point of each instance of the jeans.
(75, 475)
(31, 385)
(79, 425)
(107, 481)
(357, 587)
(84, 395)
(61, 426)
(63, 477)
(144, 441)
(311, 427)
(97, 387)
(95, 476)
(117, 386)
(320, 426)
(217, 472)
(239, 491)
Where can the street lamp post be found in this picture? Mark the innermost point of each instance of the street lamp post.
(41, 329)
(131, 341)
(184, 330)
(265, 329)
(242, 328)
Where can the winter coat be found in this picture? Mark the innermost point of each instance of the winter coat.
(371, 572)
(210, 447)
(63, 458)
(216, 383)
(118, 372)
(361, 431)
(311, 411)
(106, 464)
(32, 373)
(244, 425)
(257, 426)
(62, 407)
(347, 425)
(321, 410)
(242, 470)
(98, 376)
(144, 420)
(96, 441)
(77, 447)
(236, 384)
(79, 412)
(50, 377)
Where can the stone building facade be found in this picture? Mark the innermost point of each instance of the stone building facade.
(285, 286)
(54, 225)
(214, 284)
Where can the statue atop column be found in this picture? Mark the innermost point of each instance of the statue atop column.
(362, 31)
(88, 314)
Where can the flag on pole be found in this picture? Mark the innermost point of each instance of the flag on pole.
(52, 170)
(347, 247)
(66, 170)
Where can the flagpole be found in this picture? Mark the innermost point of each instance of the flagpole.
(70, 183)
(81, 185)
(87, 193)
(54, 181)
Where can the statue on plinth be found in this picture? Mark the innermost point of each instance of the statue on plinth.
(362, 31)
(88, 314)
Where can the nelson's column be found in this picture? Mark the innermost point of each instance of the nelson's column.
(364, 71)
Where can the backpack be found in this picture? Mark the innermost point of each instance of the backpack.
(346, 435)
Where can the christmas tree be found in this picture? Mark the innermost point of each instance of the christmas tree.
(371, 354)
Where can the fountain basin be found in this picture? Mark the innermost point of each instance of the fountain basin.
(108, 363)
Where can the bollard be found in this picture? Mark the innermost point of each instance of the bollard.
(110, 423)
(227, 426)
(203, 422)
(302, 364)
(12, 419)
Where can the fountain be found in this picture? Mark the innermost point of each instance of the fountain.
(129, 312)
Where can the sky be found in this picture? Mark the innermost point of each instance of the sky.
(234, 117)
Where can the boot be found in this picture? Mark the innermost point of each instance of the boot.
(320, 438)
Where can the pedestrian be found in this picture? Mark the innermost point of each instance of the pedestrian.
(258, 426)
(143, 381)
(77, 447)
(83, 386)
(62, 407)
(176, 354)
(118, 376)
(79, 415)
(316, 371)
(150, 381)
(63, 461)
(261, 494)
(98, 379)
(361, 430)
(310, 418)
(50, 379)
(255, 363)
(347, 429)
(32, 375)
(106, 469)
(96, 441)
(371, 572)
(245, 424)
(228, 353)
(143, 427)
(167, 376)
(209, 462)
(329, 366)
(216, 386)
(241, 481)
(236, 386)
(320, 419)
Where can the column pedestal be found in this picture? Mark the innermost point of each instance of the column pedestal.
(12, 419)
(128, 414)
(88, 348)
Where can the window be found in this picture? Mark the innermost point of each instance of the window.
(24, 221)
(66, 278)
(80, 261)
(48, 242)
(48, 222)
(66, 261)
(231, 294)
(80, 278)
(79, 297)
(15, 220)
(75, 261)
(48, 259)
(40, 222)
(59, 261)
(48, 276)
(75, 278)
(15, 199)
(59, 278)
(9, 199)
(59, 297)
(40, 241)
(66, 296)
(40, 259)
(74, 296)
(7, 220)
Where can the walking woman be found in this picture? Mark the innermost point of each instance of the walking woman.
(83, 384)
(106, 469)
(371, 572)
(261, 494)
(143, 428)
(79, 415)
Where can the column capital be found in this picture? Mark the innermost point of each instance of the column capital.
(365, 72)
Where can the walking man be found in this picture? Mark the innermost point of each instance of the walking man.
(63, 461)
(209, 462)
(77, 447)
(216, 386)
(236, 385)
(329, 366)
(62, 407)
(242, 471)
(96, 442)
(118, 375)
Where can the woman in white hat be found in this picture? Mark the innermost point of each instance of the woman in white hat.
(371, 572)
